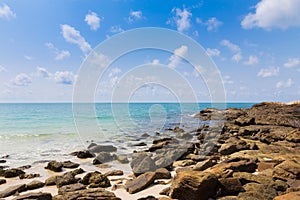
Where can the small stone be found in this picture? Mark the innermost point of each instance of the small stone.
(29, 176)
(103, 157)
(83, 154)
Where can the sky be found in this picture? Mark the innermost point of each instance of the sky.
(254, 44)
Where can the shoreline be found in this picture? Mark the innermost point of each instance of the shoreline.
(256, 149)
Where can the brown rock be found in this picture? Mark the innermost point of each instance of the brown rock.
(162, 173)
(289, 169)
(10, 173)
(140, 183)
(230, 186)
(70, 164)
(34, 185)
(66, 179)
(114, 173)
(293, 136)
(71, 188)
(34, 196)
(95, 179)
(201, 166)
(257, 191)
(289, 196)
(148, 198)
(244, 121)
(2, 181)
(193, 185)
(87, 194)
(265, 165)
(233, 145)
(54, 166)
(29, 176)
(12, 190)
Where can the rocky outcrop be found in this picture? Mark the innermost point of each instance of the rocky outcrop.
(87, 194)
(34, 196)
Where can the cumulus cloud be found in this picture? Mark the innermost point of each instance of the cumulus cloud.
(2, 69)
(6, 12)
(213, 52)
(211, 24)
(73, 36)
(268, 72)
(175, 58)
(273, 14)
(233, 47)
(21, 80)
(237, 57)
(135, 15)
(42, 72)
(64, 77)
(284, 84)
(292, 62)
(182, 19)
(59, 54)
(92, 20)
(252, 60)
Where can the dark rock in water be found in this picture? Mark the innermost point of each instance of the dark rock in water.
(34, 196)
(148, 198)
(289, 169)
(140, 183)
(29, 176)
(83, 154)
(193, 185)
(162, 173)
(230, 186)
(2, 161)
(71, 188)
(102, 148)
(12, 190)
(257, 191)
(70, 164)
(92, 145)
(122, 159)
(95, 179)
(10, 173)
(34, 185)
(141, 163)
(54, 166)
(2, 181)
(145, 135)
(114, 173)
(103, 157)
(87, 194)
(141, 144)
(4, 156)
(178, 130)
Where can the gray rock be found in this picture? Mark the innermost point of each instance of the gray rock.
(123, 159)
(54, 166)
(87, 194)
(140, 183)
(34, 185)
(34, 196)
(70, 164)
(102, 148)
(142, 163)
(103, 157)
(12, 190)
(71, 188)
(2, 181)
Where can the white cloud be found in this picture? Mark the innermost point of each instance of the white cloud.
(28, 57)
(213, 52)
(92, 20)
(227, 80)
(71, 35)
(64, 77)
(22, 80)
(2, 69)
(135, 15)
(116, 29)
(114, 71)
(292, 62)
(155, 62)
(42, 72)
(230, 45)
(175, 58)
(60, 54)
(252, 60)
(213, 24)
(182, 19)
(273, 14)
(237, 57)
(284, 84)
(268, 72)
(6, 12)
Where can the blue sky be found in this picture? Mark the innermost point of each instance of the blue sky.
(254, 44)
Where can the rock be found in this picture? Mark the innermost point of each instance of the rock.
(230, 186)
(228, 198)
(245, 177)
(95, 179)
(83, 154)
(103, 157)
(70, 164)
(201, 166)
(50, 181)
(265, 165)
(142, 163)
(29, 176)
(10, 173)
(257, 191)
(280, 185)
(183, 163)
(12, 190)
(77, 171)
(293, 136)
(54, 166)
(123, 159)
(2, 181)
(194, 185)
(161, 143)
(162, 173)
(178, 130)
(289, 169)
(71, 188)
(289, 196)
(165, 157)
(24, 167)
(145, 135)
(233, 145)
(140, 144)
(87, 194)
(34, 196)
(244, 121)
(2, 161)
(184, 135)
(34, 185)
(165, 191)
(114, 173)
(66, 179)
(140, 183)
(102, 148)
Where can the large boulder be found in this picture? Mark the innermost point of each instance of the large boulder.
(141, 163)
(12, 190)
(103, 157)
(140, 183)
(193, 185)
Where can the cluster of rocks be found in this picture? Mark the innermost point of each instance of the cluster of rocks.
(236, 154)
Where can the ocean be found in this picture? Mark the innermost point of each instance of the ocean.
(32, 132)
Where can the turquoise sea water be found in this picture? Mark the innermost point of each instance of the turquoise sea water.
(33, 131)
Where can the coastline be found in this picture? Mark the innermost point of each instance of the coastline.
(255, 154)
